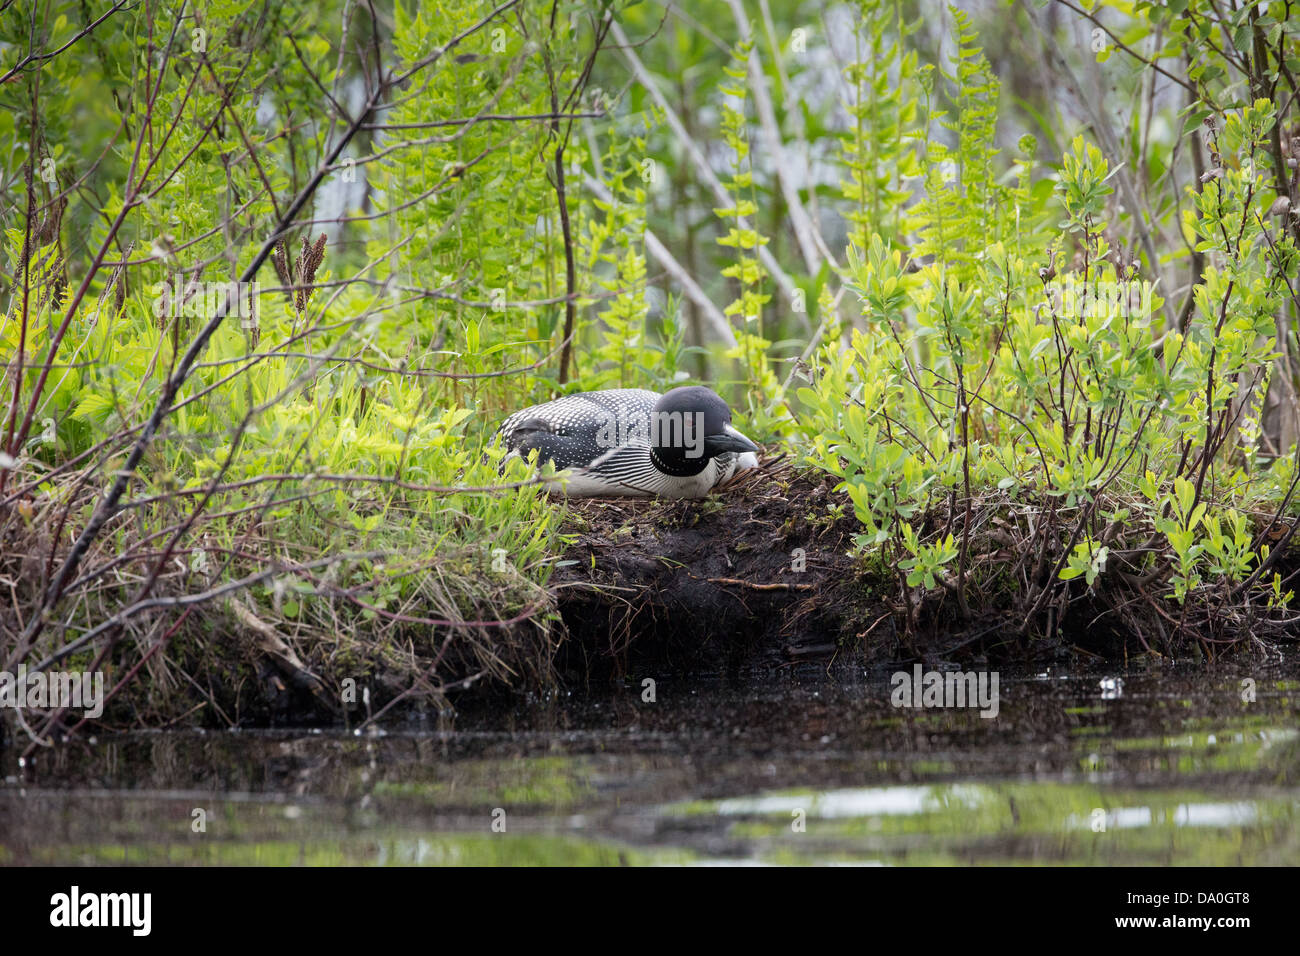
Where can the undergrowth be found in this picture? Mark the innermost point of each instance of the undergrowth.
(273, 273)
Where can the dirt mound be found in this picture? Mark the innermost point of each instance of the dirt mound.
(762, 575)
(758, 574)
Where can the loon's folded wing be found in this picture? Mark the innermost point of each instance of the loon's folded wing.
(575, 430)
(625, 470)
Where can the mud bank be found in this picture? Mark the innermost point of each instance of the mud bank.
(763, 576)
(761, 580)
(760, 576)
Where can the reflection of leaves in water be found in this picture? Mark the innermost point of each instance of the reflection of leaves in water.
(1047, 822)
(1185, 773)
(407, 850)
(536, 782)
(1283, 758)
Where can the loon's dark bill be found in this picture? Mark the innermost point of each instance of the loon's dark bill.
(730, 440)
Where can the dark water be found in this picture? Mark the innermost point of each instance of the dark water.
(1163, 766)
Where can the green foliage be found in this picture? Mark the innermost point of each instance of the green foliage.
(747, 272)
(928, 560)
(1014, 372)
(882, 112)
(1007, 363)
(627, 354)
(961, 204)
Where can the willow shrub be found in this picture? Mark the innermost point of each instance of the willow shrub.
(326, 451)
(1014, 413)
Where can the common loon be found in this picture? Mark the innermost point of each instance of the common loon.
(631, 441)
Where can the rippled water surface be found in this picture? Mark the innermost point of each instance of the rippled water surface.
(1166, 766)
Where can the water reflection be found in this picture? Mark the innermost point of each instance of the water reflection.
(1163, 767)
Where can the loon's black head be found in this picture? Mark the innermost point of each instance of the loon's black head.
(689, 427)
